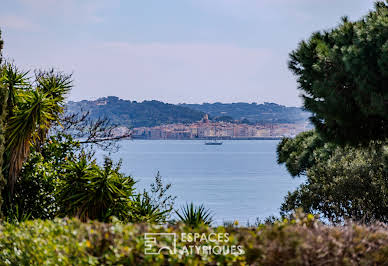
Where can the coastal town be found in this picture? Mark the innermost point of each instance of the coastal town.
(206, 129)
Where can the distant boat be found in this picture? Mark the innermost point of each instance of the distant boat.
(215, 142)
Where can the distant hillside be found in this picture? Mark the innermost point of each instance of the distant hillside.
(153, 113)
(256, 113)
(136, 114)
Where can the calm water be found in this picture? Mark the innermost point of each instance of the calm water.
(237, 180)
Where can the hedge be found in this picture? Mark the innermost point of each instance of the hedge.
(303, 241)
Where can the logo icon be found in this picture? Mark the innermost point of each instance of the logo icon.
(157, 242)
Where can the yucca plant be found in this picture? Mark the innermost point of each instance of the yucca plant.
(56, 86)
(142, 209)
(34, 112)
(13, 79)
(88, 191)
(195, 215)
(31, 110)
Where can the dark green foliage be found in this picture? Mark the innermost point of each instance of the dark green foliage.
(1, 48)
(56, 84)
(153, 206)
(343, 74)
(224, 118)
(256, 113)
(344, 78)
(195, 216)
(135, 114)
(153, 113)
(159, 196)
(302, 152)
(35, 189)
(88, 191)
(3, 115)
(143, 210)
(56, 177)
(14, 80)
(300, 241)
(58, 181)
(31, 110)
(341, 182)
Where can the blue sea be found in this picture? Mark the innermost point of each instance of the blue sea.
(239, 180)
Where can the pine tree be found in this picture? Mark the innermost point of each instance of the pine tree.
(343, 76)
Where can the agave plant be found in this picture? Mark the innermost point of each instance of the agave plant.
(195, 215)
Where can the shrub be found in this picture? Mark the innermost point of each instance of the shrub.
(142, 210)
(153, 206)
(89, 191)
(301, 240)
(341, 182)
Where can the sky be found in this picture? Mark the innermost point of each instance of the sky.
(175, 51)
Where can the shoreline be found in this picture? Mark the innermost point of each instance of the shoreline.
(212, 138)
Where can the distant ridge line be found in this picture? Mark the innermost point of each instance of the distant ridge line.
(153, 113)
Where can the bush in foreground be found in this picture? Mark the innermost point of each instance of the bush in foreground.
(301, 241)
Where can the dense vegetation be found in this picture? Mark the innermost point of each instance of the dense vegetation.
(343, 76)
(253, 112)
(341, 182)
(59, 206)
(299, 241)
(153, 113)
(3, 113)
(136, 114)
(49, 173)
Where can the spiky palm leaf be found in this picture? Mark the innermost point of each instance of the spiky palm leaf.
(195, 215)
(56, 85)
(91, 192)
(143, 210)
(13, 79)
(31, 111)
(74, 185)
(35, 111)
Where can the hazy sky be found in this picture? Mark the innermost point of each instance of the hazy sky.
(171, 50)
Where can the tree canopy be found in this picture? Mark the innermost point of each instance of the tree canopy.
(341, 182)
(302, 152)
(343, 76)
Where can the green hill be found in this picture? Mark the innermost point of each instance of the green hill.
(253, 112)
(136, 114)
(153, 113)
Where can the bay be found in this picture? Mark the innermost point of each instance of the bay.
(239, 180)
